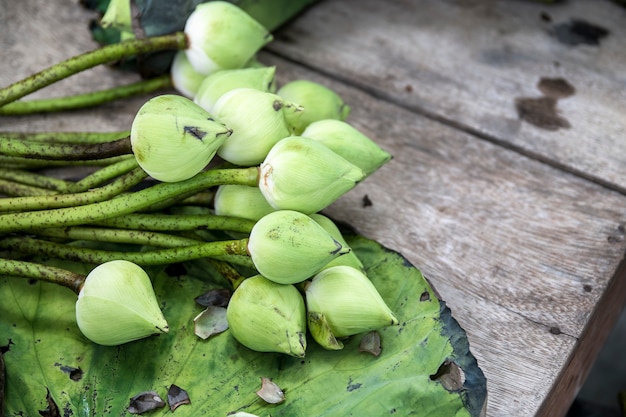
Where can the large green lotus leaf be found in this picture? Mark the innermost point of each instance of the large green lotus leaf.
(425, 368)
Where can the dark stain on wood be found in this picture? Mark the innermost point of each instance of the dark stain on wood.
(579, 32)
(542, 111)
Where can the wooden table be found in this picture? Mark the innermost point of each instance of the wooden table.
(507, 187)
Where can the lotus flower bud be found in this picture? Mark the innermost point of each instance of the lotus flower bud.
(184, 77)
(241, 201)
(304, 175)
(173, 139)
(258, 119)
(118, 16)
(349, 259)
(219, 83)
(117, 305)
(222, 36)
(348, 142)
(348, 301)
(268, 317)
(288, 247)
(319, 102)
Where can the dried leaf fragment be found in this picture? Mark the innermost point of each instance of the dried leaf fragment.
(370, 343)
(176, 396)
(270, 392)
(145, 401)
(210, 322)
(217, 297)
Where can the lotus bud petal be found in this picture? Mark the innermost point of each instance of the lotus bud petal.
(348, 301)
(304, 175)
(288, 247)
(117, 305)
(222, 36)
(118, 16)
(185, 78)
(349, 259)
(321, 331)
(173, 139)
(348, 142)
(319, 102)
(221, 82)
(258, 120)
(268, 317)
(241, 201)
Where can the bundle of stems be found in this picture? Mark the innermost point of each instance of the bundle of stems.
(110, 199)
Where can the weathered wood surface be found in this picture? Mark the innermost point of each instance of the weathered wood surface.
(469, 62)
(525, 254)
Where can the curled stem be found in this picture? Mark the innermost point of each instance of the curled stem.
(103, 55)
(125, 203)
(40, 272)
(64, 151)
(91, 99)
(42, 202)
(27, 245)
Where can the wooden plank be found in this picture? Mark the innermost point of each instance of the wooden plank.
(515, 247)
(468, 63)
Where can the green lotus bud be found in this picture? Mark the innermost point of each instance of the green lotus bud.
(222, 36)
(219, 83)
(348, 301)
(319, 102)
(241, 201)
(117, 305)
(348, 142)
(288, 247)
(349, 259)
(304, 175)
(173, 139)
(258, 119)
(185, 78)
(268, 317)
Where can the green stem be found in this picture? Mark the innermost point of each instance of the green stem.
(40, 272)
(125, 203)
(42, 202)
(228, 272)
(19, 190)
(66, 137)
(64, 151)
(33, 246)
(173, 222)
(33, 163)
(37, 180)
(103, 55)
(91, 99)
(135, 237)
(105, 174)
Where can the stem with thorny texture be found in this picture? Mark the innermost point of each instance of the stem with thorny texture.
(81, 101)
(103, 55)
(42, 202)
(66, 137)
(33, 246)
(173, 222)
(35, 180)
(134, 237)
(23, 269)
(125, 203)
(64, 151)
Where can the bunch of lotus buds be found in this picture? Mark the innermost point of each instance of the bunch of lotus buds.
(307, 157)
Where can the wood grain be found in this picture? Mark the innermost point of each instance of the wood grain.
(526, 255)
(468, 62)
